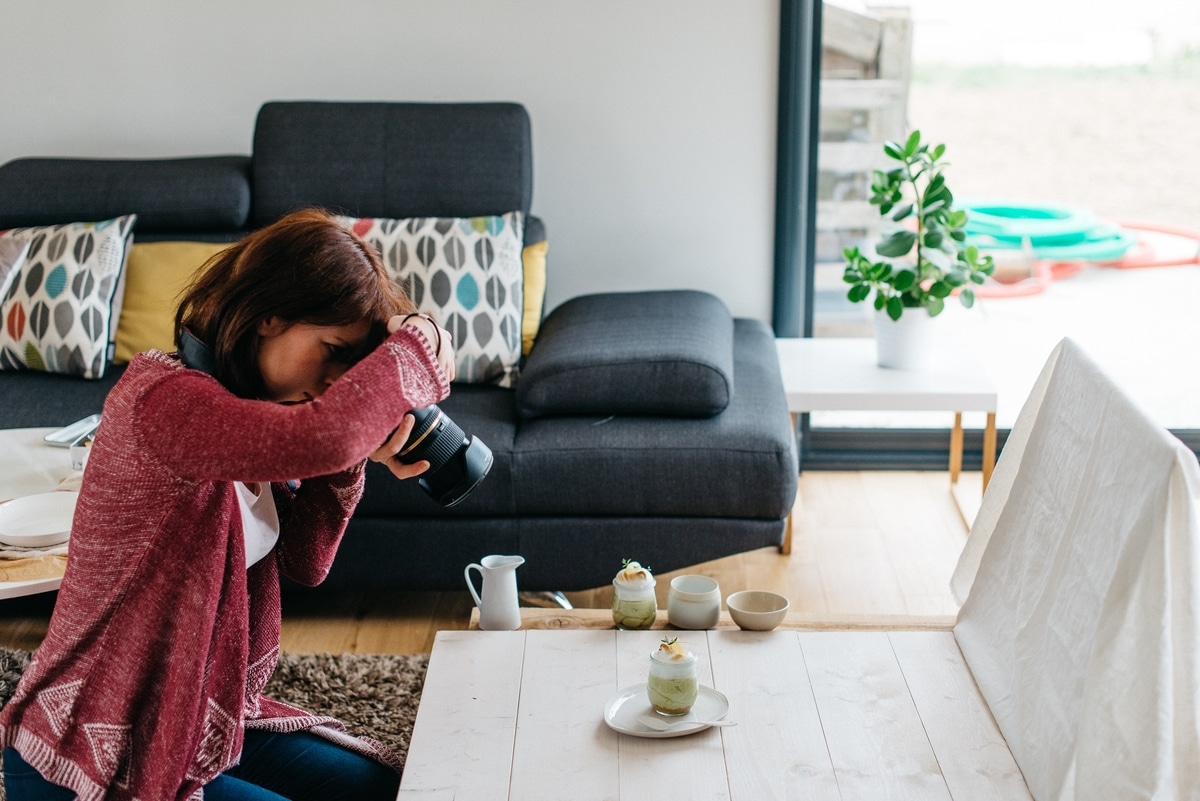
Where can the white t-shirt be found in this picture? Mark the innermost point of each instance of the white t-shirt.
(260, 519)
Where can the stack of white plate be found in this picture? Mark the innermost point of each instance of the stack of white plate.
(37, 521)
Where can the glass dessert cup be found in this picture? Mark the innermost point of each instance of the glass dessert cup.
(671, 686)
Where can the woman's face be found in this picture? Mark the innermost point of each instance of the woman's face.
(299, 361)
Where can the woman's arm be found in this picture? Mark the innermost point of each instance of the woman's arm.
(312, 521)
(200, 430)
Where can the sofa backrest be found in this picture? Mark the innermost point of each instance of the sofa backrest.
(185, 198)
(392, 159)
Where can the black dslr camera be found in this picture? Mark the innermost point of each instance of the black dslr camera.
(457, 463)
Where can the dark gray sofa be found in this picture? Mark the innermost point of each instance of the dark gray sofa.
(664, 437)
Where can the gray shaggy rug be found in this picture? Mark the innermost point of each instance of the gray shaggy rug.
(375, 695)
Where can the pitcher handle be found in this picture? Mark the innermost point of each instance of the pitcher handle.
(471, 584)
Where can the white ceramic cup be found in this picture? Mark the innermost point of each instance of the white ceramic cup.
(693, 602)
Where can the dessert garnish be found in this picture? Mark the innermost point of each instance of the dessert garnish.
(632, 571)
(674, 649)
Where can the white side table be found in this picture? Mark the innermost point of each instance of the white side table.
(30, 466)
(841, 375)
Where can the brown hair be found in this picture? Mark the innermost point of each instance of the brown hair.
(304, 268)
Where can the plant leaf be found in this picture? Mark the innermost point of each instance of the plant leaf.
(967, 297)
(894, 308)
(939, 289)
(914, 141)
(858, 293)
(904, 280)
(902, 212)
(935, 306)
(894, 150)
(896, 244)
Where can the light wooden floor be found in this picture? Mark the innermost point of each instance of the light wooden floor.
(866, 545)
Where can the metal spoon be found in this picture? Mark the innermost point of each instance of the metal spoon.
(658, 724)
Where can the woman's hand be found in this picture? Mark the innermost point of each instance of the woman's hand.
(438, 338)
(386, 453)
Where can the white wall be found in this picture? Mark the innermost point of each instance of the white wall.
(653, 120)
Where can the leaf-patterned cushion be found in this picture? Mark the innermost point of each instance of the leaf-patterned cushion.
(59, 309)
(465, 272)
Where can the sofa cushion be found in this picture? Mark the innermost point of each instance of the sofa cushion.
(210, 193)
(61, 305)
(613, 466)
(635, 353)
(533, 293)
(30, 399)
(467, 273)
(395, 160)
(155, 279)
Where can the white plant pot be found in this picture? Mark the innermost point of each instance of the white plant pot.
(905, 344)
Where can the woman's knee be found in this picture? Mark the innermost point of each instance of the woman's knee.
(23, 782)
(304, 766)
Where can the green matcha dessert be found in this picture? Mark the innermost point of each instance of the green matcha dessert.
(634, 605)
(671, 685)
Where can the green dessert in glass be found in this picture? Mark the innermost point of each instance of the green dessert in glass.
(671, 686)
(634, 605)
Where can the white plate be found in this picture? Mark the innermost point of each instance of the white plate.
(622, 711)
(37, 521)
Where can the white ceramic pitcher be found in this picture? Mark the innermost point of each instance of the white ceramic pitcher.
(499, 608)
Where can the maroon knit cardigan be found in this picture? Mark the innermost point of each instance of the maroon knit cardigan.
(161, 640)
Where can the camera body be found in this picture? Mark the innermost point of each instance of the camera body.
(457, 463)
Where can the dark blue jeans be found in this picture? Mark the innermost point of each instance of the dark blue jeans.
(275, 767)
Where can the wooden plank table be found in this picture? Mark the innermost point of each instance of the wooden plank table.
(821, 714)
(551, 618)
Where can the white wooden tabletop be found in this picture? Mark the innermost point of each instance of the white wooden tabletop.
(821, 715)
(830, 374)
(29, 466)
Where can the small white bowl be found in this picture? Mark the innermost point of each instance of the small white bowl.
(693, 602)
(757, 610)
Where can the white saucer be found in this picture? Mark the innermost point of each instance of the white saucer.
(622, 710)
(38, 521)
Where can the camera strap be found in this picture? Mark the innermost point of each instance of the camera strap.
(195, 354)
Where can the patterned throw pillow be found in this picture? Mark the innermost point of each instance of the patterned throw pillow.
(467, 273)
(60, 308)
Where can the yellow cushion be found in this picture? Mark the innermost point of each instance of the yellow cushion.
(156, 276)
(533, 260)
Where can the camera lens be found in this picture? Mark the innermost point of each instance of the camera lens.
(457, 463)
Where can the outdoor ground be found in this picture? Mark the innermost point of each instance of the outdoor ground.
(1123, 142)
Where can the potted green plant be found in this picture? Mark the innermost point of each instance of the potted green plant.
(924, 255)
